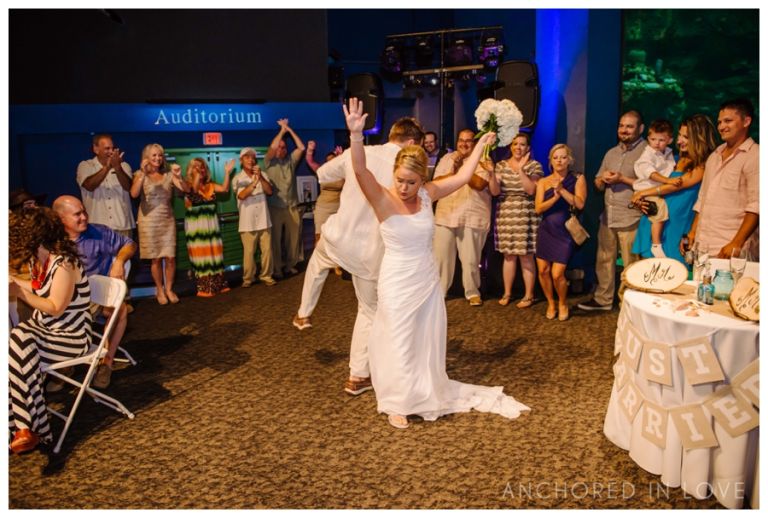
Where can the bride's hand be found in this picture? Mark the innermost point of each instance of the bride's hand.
(354, 116)
(487, 138)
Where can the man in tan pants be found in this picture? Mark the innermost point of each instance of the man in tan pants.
(462, 221)
(252, 188)
(618, 223)
(280, 168)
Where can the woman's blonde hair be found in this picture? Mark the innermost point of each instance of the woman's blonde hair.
(558, 147)
(148, 149)
(414, 159)
(205, 177)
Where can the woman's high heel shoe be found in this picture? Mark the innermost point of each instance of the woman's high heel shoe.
(563, 315)
(161, 298)
(551, 313)
(172, 297)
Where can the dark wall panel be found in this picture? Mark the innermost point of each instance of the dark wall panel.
(124, 55)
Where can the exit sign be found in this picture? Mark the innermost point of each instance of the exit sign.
(212, 139)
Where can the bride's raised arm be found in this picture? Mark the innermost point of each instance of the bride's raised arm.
(374, 192)
(445, 185)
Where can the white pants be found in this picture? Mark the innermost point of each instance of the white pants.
(314, 278)
(469, 243)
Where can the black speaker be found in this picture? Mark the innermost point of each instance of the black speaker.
(518, 81)
(367, 88)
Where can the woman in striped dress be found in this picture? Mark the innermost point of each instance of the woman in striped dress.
(516, 218)
(60, 327)
(201, 227)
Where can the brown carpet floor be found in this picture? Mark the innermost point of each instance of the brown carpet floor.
(235, 408)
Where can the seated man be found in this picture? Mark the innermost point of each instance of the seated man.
(104, 252)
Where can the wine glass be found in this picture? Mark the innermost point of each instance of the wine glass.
(739, 258)
(700, 258)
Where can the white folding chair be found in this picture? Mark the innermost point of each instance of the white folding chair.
(105, 291)
(128, 358)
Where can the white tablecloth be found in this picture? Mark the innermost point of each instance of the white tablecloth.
(728, 470)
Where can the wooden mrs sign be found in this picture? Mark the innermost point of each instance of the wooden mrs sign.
(745, 299)
(655, 275)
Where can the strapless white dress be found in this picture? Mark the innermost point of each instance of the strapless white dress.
(408, 339)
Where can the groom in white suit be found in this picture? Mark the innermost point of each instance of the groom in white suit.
(351, 240)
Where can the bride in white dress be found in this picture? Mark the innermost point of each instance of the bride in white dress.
(408, 339)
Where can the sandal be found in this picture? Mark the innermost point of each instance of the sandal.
(551, 313)
(172, 297)
(563, 315)
(161, 298)
(398, 421)
(525, 302)
(505, 299)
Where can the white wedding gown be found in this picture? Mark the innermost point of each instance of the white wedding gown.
(408, 339)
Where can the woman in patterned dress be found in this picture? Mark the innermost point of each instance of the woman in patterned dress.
(516, 218)
(201, 227)
(60, 327)
(157, 226)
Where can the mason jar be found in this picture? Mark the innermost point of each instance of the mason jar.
(723, 283)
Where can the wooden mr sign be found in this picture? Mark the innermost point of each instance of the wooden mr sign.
(655, 275)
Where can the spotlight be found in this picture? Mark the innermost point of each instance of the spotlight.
(458, 52)
(491, 50)
(391, 62)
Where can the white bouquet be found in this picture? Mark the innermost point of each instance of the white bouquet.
(502, 117)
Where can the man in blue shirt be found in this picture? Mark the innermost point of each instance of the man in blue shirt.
(104, 252)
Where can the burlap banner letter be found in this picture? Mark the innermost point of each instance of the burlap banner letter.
(657, 363)
(735, 414)
(693, 426)
(630, 400)
(699, 361)
(655, 423)
(621, 373)
(747, 382)
(633, 347)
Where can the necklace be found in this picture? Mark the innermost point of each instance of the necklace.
(38, 274)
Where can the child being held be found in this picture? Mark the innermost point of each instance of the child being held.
(652, 170)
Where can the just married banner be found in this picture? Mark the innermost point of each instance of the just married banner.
(731, 405)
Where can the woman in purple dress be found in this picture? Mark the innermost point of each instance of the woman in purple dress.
(555, 195)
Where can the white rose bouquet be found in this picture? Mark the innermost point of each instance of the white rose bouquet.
(502, 117)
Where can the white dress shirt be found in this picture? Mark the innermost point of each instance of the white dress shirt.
(351, 235)
(254, 212)
(109, 204)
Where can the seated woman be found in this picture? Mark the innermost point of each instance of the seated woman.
(696, 141)
(60, 327)
(556, 196)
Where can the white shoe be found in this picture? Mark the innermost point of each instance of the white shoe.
(657, 251)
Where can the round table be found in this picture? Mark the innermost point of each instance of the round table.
(728, 470)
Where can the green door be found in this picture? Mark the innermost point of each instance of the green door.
(226, 203)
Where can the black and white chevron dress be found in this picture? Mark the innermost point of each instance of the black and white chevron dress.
(47, 339)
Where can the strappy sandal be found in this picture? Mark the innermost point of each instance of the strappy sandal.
(525, 302)
(505, 300)
(396, 420)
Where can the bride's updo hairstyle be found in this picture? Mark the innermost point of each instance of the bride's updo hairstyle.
(413, 158)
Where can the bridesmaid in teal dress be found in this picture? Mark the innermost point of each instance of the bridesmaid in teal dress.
(695, 141)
